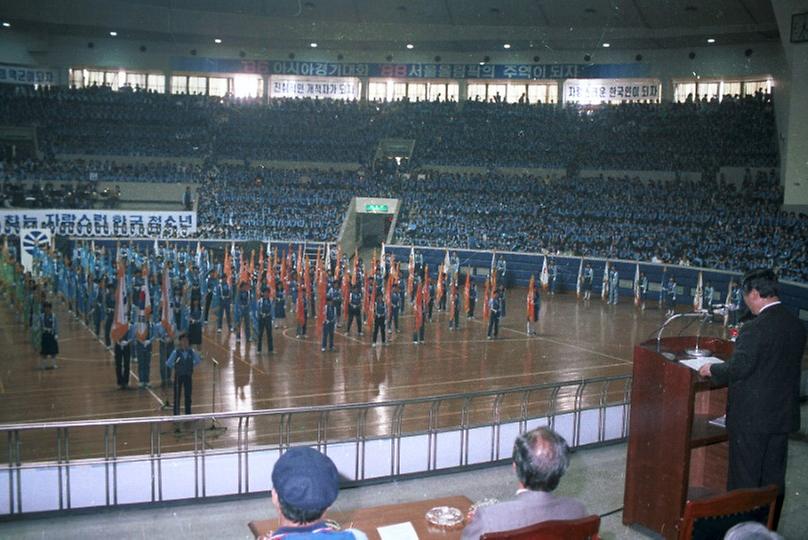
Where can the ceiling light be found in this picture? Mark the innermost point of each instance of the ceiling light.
(113, 34)
(410, 46)
(607, 45)
(710, 40)
(217, 41)
(506, 46)
(313, 45)
(6, 24)
(482, 63)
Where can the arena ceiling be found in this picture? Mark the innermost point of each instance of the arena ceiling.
(388, 25)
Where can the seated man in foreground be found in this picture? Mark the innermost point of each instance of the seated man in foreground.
(540, 459)
(304, 485)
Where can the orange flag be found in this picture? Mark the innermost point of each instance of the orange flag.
(467, 294)
(120, 325)
(452, 300)
(530, 303)
(486, 309)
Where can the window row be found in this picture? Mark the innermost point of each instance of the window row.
(716, 90)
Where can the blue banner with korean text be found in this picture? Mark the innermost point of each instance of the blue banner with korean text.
(103, 223)
(410, 71)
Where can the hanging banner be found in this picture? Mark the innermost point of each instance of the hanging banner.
(31, 239)
(597, 91)
(312, 87)
(26, 75)
(197, 64)
(91, 223)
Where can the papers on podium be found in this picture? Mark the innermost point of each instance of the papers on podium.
(696, 363)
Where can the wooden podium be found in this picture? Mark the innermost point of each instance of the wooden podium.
(674, 454)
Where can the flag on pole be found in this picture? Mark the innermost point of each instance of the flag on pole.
(531, 304)
(727, 303)
(699, 296)
(447, 264)
(419, 307)
(637, 299)
(144, 306)
(411, 268)
(486, 297)
(165, 306)
(371, 309)
(604, 291)
(452, 299)
(545, 275)
(120, 326)
(439, 287)
(346, 294)
(467, 294)
(579, 282)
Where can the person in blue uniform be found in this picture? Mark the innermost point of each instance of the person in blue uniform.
(265, 312)
(243, 311)
(166, 347)
(195, 323)
(98, 307)
(494, 310)
(670, 296)
(707, 298)
(109, 313)
(355, 310)
(123, 357)
(49, 339)
(144, 333)
(224, 291)
(329, 322)
(643, 289)
(395, 308)
(531, 329)
(280, 304)
(379, 318)
(183, 360)
(553, 270)
(614, 285)
(212, 283)
(588, 278)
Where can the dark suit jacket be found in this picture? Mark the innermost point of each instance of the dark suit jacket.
(763, 374)
(528, 508)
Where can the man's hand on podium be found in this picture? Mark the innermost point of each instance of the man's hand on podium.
(704, 370)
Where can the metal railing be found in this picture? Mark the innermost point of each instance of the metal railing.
(581, 404)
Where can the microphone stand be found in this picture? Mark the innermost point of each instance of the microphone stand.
(213, 425)
(692, 314)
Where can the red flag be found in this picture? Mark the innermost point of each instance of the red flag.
(346, 294)
(467, 294)
(452, 300)
(486, 309)
(439, 288)
(321, 294)
(145, 301)
(419, 308)
(371, 310)
(530, 303)
(244, 276)
(228, 266)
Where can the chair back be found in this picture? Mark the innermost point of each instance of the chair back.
(568, 529)
(714, 516)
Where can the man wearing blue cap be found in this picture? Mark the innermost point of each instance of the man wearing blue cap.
(304, 485)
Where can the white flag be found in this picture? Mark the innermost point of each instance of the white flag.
(698, 297)
(637, 285)
(545, 275)
(580, 278)
(605, 289)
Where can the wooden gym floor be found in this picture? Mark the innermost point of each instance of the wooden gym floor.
(575, 340)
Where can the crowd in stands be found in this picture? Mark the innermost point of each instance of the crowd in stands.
(694, 136)
(707, 223)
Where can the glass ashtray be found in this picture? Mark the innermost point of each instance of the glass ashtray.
(446, 517)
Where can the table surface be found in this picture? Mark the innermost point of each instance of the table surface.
(368, 520)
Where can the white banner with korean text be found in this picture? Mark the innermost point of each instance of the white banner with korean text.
(313, 87)
(597, 91)
(105, 223)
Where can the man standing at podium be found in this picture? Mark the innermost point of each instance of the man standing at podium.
(763, 376)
